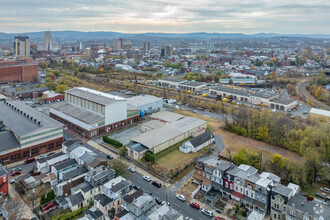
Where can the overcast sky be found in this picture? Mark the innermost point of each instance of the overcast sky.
(172, 16)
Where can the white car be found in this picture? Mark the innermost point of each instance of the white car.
(147, 178)
(41, 157)
(181, 197)
(207, 213)
(131, 169)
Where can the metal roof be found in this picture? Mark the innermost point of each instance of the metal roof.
(94, 96)
(76, 199)
(8, 141)
(167, 132)
(142, 100)
(65, 164)
(75, 172)
(76, 112)
(166, 116)
(17, 122)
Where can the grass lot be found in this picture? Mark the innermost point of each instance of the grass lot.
(172, 157)
(188, 187)
(233, 142)
(182, 174)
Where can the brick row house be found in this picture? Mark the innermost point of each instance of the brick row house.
(259, 193)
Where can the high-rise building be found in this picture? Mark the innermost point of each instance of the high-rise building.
(166, 51)
(22, 46)
(117, 44)
(48, 44)
(146, 46)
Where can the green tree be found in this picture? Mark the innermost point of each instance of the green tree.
(123, 150)
(119, 166)
(61, 89)
(150, 157)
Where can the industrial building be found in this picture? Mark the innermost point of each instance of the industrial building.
(181, 84)
(175, 128)
(26, 132)
(170, 82)
(192, 86)
(145, 103)
(269, 99)
(18, 72)
(239, 78)
(90, 112)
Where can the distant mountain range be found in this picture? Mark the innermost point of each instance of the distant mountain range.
(75, 35)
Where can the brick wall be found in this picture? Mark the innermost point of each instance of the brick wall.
(18, 73)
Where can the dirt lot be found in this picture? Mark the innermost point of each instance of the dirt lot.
(235, 142)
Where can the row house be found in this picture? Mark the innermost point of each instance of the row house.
(242, 184)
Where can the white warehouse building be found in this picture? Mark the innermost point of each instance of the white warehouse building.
(145, 103)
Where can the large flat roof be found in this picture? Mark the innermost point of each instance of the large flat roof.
(167, 132)
(264, 94)
(166, 116)
(94, 96)
(191, 83)
(232, 90)
(283, 101)
(77, 112)
(173, 80)
(142, 100)
(20, 124)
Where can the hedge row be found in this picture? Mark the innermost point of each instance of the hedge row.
(111, 141)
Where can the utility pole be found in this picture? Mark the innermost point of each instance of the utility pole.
(33, 191)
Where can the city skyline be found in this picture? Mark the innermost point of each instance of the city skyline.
(168, 16)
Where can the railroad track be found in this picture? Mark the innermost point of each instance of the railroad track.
(302, 90)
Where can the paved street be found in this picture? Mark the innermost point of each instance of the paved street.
(182, 207)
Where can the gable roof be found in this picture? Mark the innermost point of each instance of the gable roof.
(135, 195)
(76, 199)
(65, 164)
(201, 139)
(103, 199)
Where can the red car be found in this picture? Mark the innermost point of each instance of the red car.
(30, 160)
(218, 218)
(48, 206)
(194, 205)
(50, 209)
(15, 173)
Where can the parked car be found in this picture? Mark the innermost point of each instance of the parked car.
(181, 197)
(110, 157)
(29, 160)
(158, 184)
(50, 209)
(15, 173)
(218, 211)
(207, 213)
(47, 206)
(158, 201)
(147, 178)
(194, 205)
(50, 154)
(41, 157)
(131, 169)
(136, 187)
(219, 218)
(12, 181)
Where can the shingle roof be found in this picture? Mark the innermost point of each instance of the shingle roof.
(76, 199)
(120, 186)
(103, 199)
(65, 164)
(75, 172)
(281, 189)
(135, 195)
(201, 139)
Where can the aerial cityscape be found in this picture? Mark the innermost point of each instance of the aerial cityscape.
(165, 110)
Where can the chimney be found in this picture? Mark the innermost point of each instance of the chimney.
(302, 203)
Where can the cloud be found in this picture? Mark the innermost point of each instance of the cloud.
(133, 16)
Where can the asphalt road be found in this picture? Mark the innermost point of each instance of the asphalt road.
(182, 207)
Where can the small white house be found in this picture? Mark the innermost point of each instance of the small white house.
(197, 143)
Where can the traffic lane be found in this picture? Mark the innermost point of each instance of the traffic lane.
(23, 166)
(182, 207)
